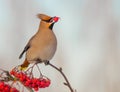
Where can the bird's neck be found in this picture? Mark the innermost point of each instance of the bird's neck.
(42, 28)
(42, 25)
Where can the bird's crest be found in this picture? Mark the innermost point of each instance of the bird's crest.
(43, 16)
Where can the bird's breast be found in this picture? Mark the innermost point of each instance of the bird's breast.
(43, 46)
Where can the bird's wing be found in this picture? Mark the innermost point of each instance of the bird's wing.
(26, 48)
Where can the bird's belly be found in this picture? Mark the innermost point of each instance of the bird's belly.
(41, 52)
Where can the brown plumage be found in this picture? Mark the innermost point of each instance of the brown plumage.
(42, 46)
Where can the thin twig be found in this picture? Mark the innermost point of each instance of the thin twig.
(6, 77)
(67, 83)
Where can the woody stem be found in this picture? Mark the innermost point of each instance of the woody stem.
(67, 83)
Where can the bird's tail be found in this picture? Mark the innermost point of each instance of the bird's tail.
(24, 65)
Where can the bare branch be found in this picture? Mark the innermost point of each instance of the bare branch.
(67, 83)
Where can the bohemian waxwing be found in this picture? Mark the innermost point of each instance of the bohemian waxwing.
(42, 46)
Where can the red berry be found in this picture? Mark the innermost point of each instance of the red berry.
(42, 84)
(6, 88)
(13, 90)
(56, 19)
(47, 83)
(1, 84)
(36, 88)
(12, 72)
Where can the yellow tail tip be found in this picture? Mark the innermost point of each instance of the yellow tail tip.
(22, 68)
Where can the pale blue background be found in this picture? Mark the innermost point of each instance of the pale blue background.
(88, 36)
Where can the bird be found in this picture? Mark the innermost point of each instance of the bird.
(43, 44)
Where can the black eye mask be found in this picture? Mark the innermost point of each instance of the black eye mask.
(48, 20)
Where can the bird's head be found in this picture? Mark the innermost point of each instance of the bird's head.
(48, 20)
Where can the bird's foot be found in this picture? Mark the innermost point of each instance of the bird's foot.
(46, 62)
(38, 61)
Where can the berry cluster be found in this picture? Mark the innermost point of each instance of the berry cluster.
(7, 88)
(29, 81)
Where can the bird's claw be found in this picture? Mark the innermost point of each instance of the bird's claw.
(46, 62)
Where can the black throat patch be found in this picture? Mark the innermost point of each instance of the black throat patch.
(51, 26)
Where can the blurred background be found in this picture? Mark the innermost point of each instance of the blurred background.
(88, 35)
